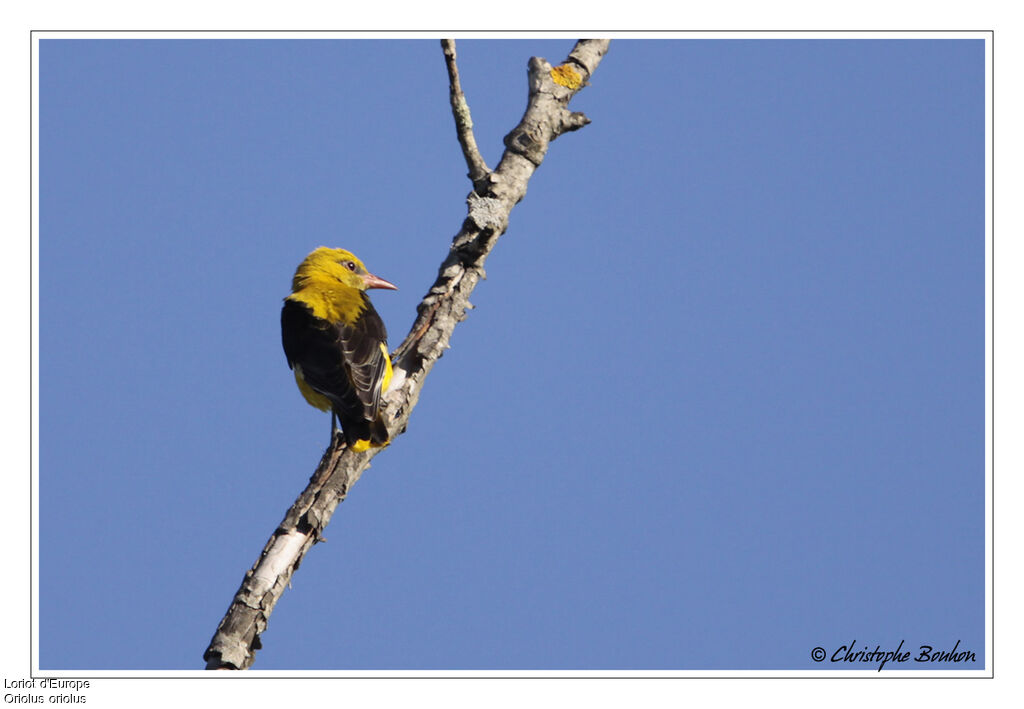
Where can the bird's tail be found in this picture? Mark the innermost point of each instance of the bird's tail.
(373, 434)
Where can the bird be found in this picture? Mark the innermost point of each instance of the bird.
(336, 344)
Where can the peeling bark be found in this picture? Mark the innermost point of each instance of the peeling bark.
(494, 195)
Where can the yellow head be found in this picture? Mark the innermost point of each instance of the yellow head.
(330, 267)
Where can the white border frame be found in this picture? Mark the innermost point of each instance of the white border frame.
(988, 672)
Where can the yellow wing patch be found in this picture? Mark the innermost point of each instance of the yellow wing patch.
(386, 379)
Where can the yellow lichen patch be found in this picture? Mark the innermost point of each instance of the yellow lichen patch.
(567, 76)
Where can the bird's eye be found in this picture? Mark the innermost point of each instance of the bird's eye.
(350, 265)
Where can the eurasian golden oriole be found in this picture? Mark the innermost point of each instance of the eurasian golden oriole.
(336, 343)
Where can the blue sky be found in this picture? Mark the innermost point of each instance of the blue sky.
(721, 400)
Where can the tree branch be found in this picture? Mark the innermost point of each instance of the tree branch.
(463, 122)
(495, 194)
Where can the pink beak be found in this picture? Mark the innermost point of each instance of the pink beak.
(373, 281)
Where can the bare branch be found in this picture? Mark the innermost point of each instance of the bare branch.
(478, 169)
(444, 306)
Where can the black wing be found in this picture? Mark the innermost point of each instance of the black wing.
(343, 362)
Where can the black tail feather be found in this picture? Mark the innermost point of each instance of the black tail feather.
(374, 431)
